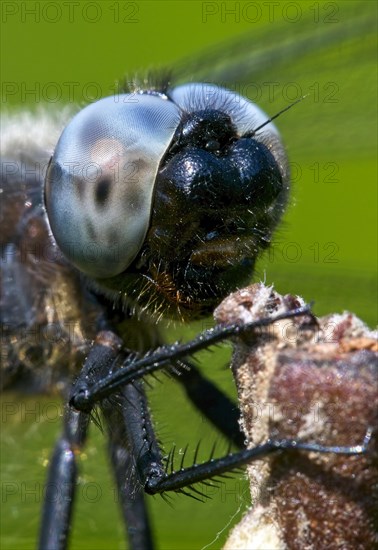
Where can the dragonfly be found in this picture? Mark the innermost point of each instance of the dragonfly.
(239, 67)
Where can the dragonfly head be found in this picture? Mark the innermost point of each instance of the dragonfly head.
(167, 199)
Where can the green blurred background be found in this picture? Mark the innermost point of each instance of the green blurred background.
(326, 249)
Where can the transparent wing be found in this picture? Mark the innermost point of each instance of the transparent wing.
(331, 60)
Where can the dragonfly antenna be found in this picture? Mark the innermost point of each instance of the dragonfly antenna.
(278, 114)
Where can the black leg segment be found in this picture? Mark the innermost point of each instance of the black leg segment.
(222, 412)
(61, 483)
(129, 489)
(148, 458)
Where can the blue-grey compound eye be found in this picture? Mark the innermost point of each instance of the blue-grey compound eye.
(100, 181)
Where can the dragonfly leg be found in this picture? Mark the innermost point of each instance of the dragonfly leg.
(61, 483)
(222, 412)
(129, 491)
(156, 478)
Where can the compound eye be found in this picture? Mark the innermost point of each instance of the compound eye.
(100, 181)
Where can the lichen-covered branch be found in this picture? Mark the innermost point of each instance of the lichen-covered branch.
(313, 380)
